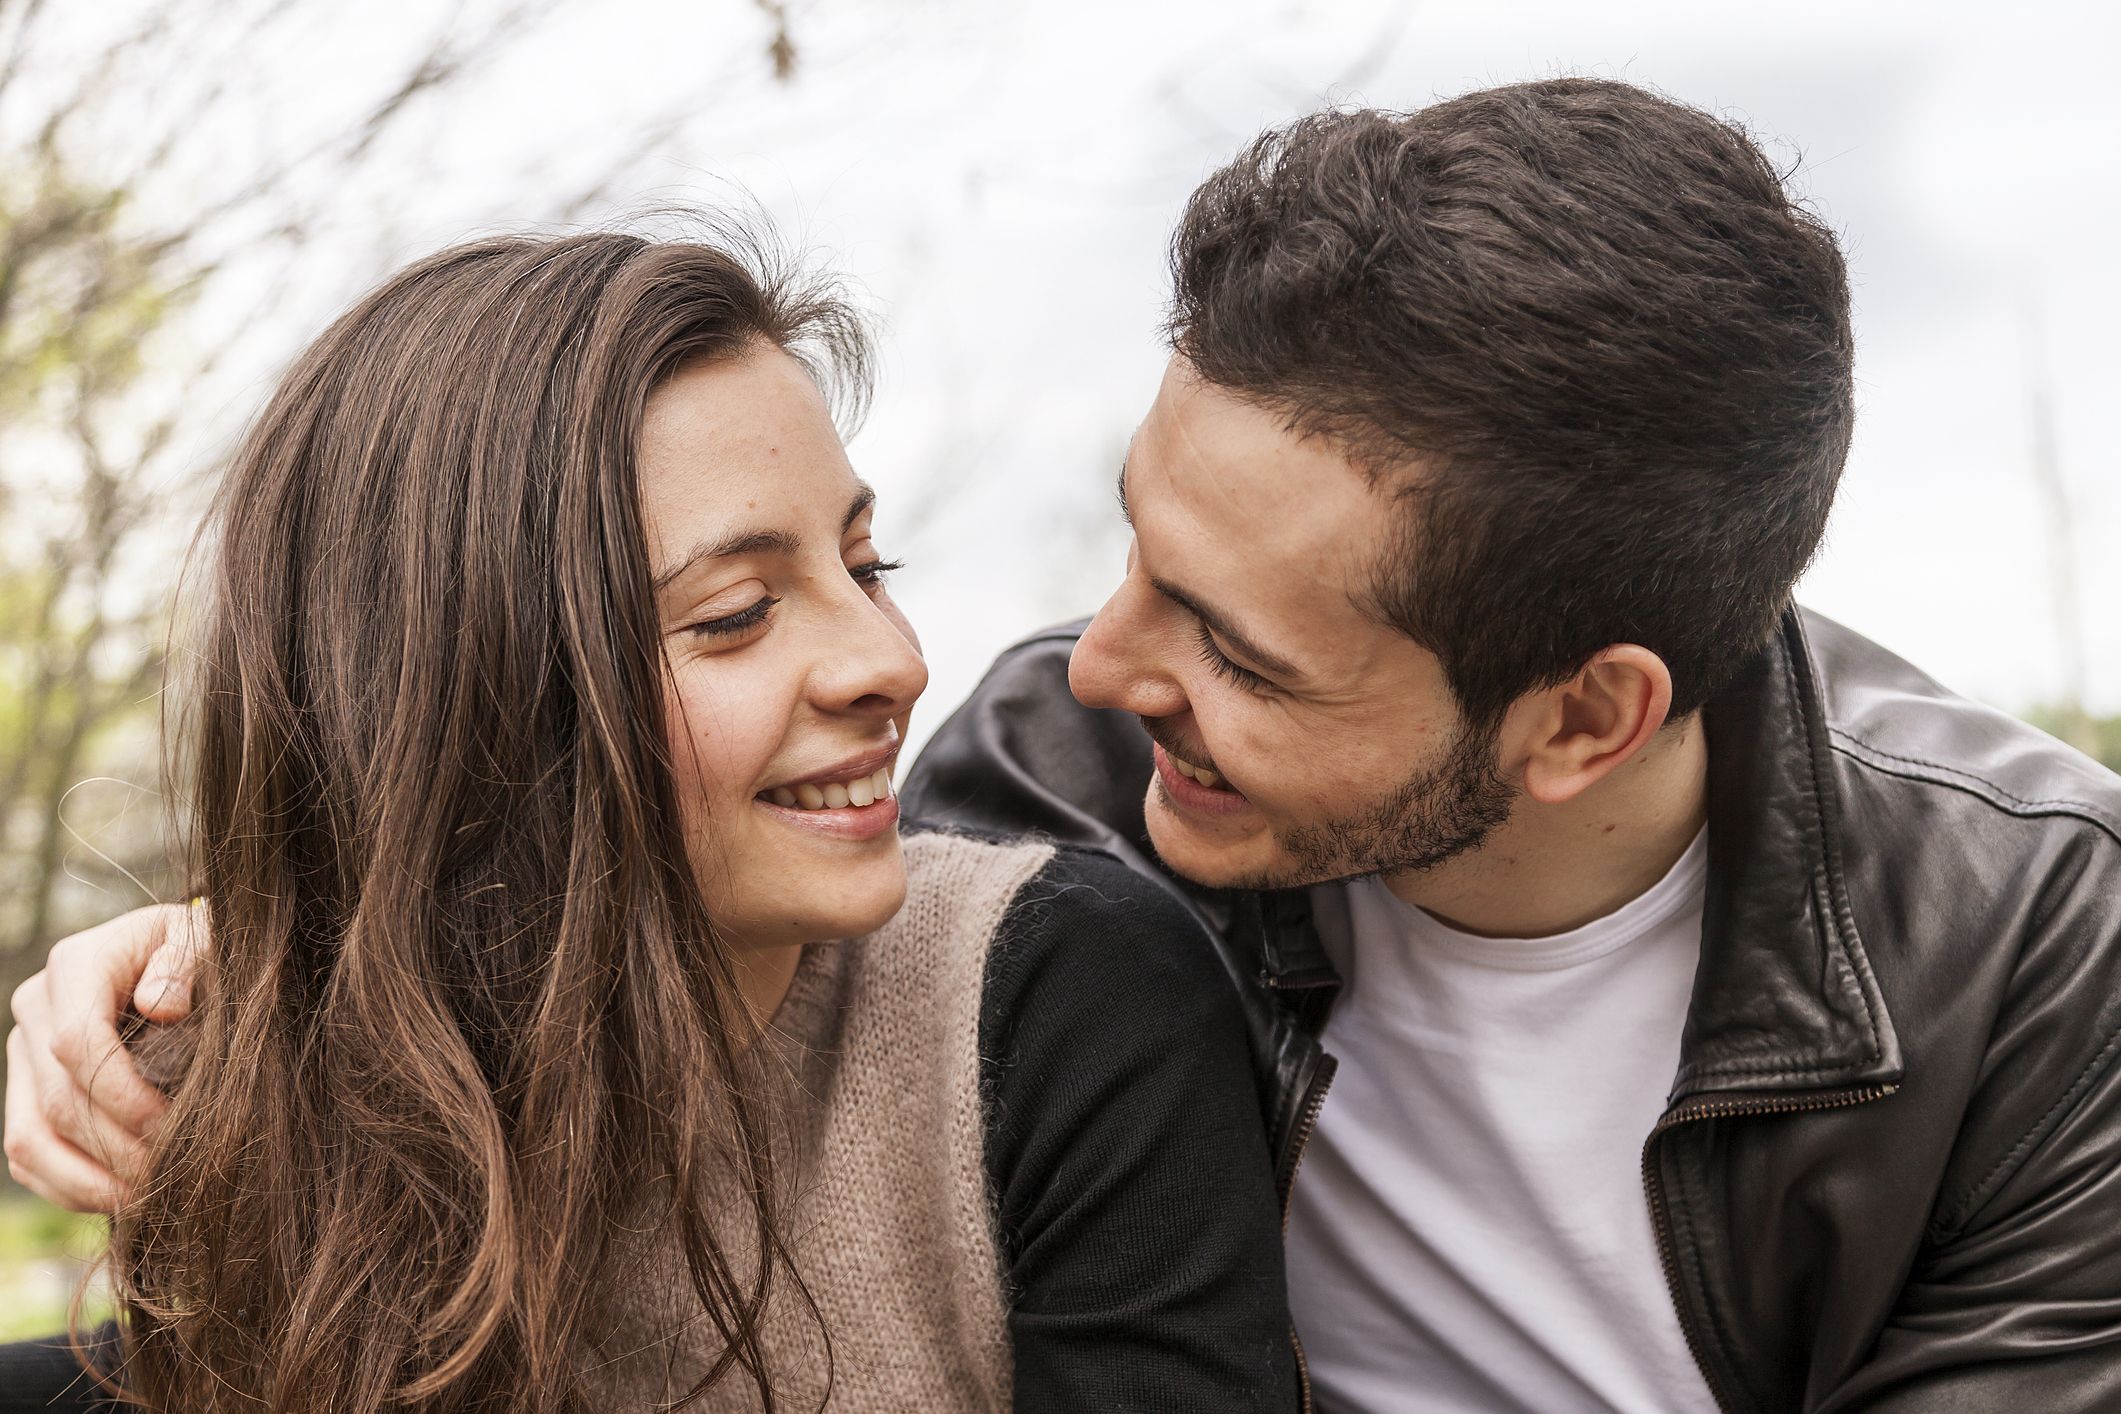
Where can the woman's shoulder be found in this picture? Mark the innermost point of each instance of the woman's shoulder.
(960, 879)
(1056, 892)
(1068, 936)
(1119, 1089)
(1090, 940)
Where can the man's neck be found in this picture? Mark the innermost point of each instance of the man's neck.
(1552, 868)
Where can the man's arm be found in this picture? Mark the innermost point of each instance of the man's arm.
(2020, 1309)
(77, 1107)
(2014, 1302)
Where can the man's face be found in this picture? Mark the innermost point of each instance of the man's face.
(1298, 738)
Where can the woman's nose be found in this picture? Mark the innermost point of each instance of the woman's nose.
(877, 666)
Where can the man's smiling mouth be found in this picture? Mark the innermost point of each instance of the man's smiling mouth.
(1201, 774)
(1200, 790)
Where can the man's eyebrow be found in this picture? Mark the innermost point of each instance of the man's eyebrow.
(762, 542)
(1124, 513)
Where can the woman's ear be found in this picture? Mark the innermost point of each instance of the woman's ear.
(1578, 732)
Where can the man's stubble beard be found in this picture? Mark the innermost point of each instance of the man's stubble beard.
(1436, 815)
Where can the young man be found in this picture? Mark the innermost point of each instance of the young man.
(1725, 1016)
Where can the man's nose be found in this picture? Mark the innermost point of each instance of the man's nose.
(1114, 663)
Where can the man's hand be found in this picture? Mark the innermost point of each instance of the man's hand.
(77, 1108)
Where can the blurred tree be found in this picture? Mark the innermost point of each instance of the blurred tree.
(2097, 737)
(2067, 716)
(78, 298)
(101, 258)
(165, 167)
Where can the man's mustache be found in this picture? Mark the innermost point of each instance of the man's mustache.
(1173, 745)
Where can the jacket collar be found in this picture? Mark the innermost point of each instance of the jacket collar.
(1784, 999)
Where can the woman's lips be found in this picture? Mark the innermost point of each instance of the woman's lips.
(845, 822)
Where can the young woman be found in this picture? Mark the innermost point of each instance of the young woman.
(551, 697)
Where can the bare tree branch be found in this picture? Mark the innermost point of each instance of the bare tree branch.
(103, 255)
(27, 14)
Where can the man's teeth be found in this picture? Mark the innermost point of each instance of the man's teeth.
(1199, 773)
(834, 795)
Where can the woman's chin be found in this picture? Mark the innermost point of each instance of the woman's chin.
(859, 917)
(835, 900)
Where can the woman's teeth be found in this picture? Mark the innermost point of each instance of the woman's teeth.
(835, 795)
(1198, 773)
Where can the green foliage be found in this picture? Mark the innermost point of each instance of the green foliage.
(44, 1255)
(2097, 737)
(84, 293)
(81, 295)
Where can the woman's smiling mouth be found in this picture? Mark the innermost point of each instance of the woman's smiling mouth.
(833, 795)
(853, 800)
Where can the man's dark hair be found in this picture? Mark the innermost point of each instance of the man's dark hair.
(1599, 357)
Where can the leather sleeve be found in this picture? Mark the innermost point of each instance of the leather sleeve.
(1135, 1199)
(2019, 1308)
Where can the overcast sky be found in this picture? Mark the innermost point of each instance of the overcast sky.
(1001, 178)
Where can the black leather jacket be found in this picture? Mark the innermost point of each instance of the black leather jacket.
(1889, 1174)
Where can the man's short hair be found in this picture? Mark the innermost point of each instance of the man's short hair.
(1596, 354)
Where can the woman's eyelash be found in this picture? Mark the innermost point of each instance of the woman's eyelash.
(869, 575)
(737, 622)
(874, 572)
(1223, 667)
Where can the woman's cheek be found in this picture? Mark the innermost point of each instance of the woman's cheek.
(728, 725)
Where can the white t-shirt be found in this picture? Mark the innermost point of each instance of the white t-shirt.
(1469, 1230)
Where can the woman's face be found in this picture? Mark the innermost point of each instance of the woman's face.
(791, 672)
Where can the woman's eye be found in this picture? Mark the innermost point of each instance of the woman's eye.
(872, 574)
(737, 622)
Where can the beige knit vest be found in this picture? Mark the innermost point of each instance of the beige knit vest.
(876, 1054)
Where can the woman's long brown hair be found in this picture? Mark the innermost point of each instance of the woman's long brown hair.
(464, 1013)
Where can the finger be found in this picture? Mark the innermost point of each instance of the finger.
(62, 1108)
(40, 1160)
(73, 1117)
(67, 1110)
(86, 981)
(164, 993)
(95, 971)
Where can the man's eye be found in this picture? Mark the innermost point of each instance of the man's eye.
(1230, 671)
(737, 622)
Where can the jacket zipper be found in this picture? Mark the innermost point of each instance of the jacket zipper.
(1660, 1219)
(1306, 1121)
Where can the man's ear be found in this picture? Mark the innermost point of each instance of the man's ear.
(1575, 734)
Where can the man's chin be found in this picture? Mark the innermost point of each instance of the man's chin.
(1215, 856)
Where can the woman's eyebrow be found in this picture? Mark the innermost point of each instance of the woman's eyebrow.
(864, 498)
(762, 542)
(736, 542)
